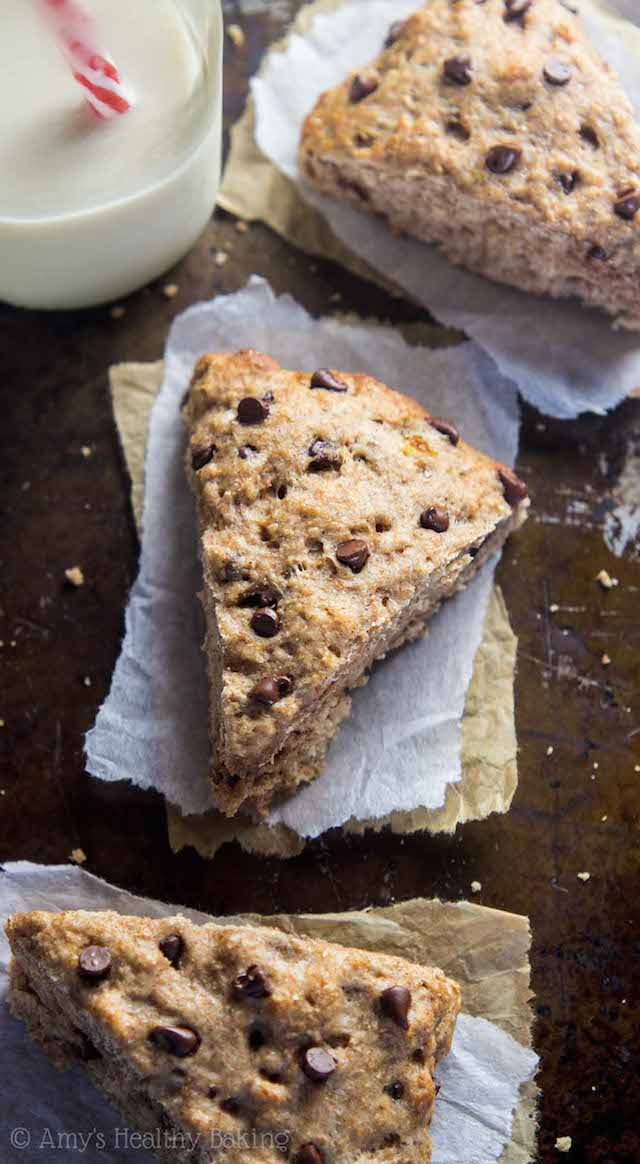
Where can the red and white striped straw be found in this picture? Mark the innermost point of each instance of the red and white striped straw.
(96, 72)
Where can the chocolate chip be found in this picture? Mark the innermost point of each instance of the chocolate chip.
(557, 72)
(318, 1064)
(281, 492)
(94, 963)
(213, 1091)
(446, 428)
(395, 1089)
(325, 456)
(394, 33)
(627, 204)
(252, 983)
(502, 159)
(201, 457)
(309, 1154)
(260, 596)
(458, 70)
(598, 253)
(266, 622)
(363, 85)
(435, 518)
(395, 1002)
(180, 1041)
(324, 378)
(252, 411)
(516, 9)
(257, 1036)
(515, 490)
(247, 451)
(569, 181)
(590, 136)
(266, 692)
(172, 947)
(231, 1105)
(354, 554)
(458, 130)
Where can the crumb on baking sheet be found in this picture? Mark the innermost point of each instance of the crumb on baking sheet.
(605, 660)
(220, 258)
(563, 1143)
(550, 750)
(86, 451)
(78, 855)
(554, 608)
(170, 290)
(236, 35)
(476, 886)
(117, 311)
(606, 581)
(74, 576)
(242, 226)
(584, 876)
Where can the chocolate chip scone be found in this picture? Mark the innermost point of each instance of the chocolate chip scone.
(238, 1042)
(335, 517)
(496, 131)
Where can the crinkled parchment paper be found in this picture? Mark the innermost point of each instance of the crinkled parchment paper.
(487, 1075)
(565, 359)
(488, 743)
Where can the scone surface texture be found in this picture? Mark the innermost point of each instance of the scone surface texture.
(335, 515)
(235, 1029)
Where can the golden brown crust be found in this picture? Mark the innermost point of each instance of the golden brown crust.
(422, 134)
(280, 501)
(251, 1044)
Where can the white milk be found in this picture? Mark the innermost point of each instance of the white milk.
(91, 209)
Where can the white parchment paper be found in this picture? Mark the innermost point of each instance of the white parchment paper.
(564, 358)
(400, 748)
(480, 1078)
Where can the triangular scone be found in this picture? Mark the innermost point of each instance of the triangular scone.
(496, 131)
(335, 516)
(250, 1043)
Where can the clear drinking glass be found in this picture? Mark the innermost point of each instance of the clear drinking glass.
(90, 210)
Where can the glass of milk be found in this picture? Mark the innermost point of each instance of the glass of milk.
(92, 209)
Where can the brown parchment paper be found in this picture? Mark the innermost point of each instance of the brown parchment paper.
(489, 748)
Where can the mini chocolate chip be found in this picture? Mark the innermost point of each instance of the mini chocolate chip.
(457, 130)
(516, 9)
(569, 181)
(267, 692)
(590, 136)
(266, 622)
(260, 596)
(281, 492)
(598, 253)
(324, 378)
(458, 70)
(363, 85)
(435, 518)
(418, 1056)
(309, 1154)
(252, 983)
(172, 947)
(354, 554)
(213, 1091)
(252, 411)
(325, 456)
(627, 204)
(247, 451)
(515, 490)
(318, 1064)
(256, 1036)
(446, 428)
(394, 33)
(94, 963)
(180, 1041)
(395, 1089)
(231, 1105)
(557, 72)
(201, 457)
(395, 1002)
(502, 159)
